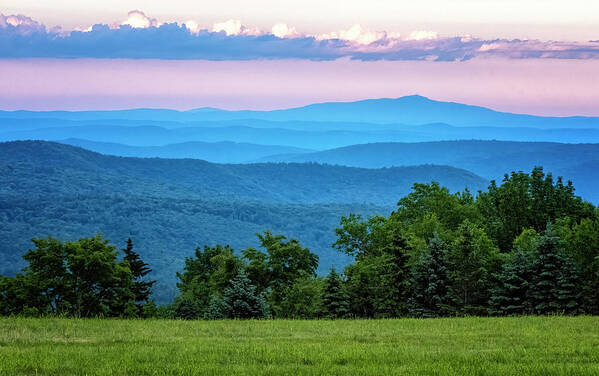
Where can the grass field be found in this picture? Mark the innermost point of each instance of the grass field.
(459, 346)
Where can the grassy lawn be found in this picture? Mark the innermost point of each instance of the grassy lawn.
(461, 346)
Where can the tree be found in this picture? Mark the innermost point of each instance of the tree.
(473, 259)
(509, 297)
(303, 300)
(335, 302)
(97, 282)
(430, 282)
(397, 277)
(46, 280)
(241, 301)
(187, 307)
(451, 209)
(81, 278)
(141, 288)
(207, 274)
(276, 271)
(555, 278)
(581, 242)
(527, 201)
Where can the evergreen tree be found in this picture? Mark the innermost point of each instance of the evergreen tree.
(473, 260)
(509, 297)
(335, 301)
(568, 285)
(142, 289)
(216, 309)
(241, 301)
(430, 282)
(186, 307)
(396, 279)
(554, 287)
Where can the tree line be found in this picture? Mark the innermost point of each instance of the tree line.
(528, 245)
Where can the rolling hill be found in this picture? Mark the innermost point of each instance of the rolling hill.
(490, 159)
(219, 152)
(134, 134)
(170, 206)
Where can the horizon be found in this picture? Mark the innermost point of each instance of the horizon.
(216, 109)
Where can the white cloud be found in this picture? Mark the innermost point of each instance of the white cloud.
(138, 20)
(282, 30)
(422, 35)
(193, 26)
(24, 24)
(356, 34)
(235, 27)
(230, 27)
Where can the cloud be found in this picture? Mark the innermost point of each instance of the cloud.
(138, 20)
(140, 37)
(20, 24)
(356, 34)
(422, 35)
(235, 27)
(282, 30)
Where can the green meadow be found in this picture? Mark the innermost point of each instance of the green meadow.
(456, 346)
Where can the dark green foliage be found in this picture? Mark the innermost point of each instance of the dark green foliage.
(397, 276)
(430, 281)
(186, 307)
(141, 287)
(80, 279)
(207, 274)
(168, 207)
(432, 199)
(509, 297)
(335, 302)
(216, 309)
(528, 201)
(555, 278)
(276, 271)
(473, 259)
(438, 254)
(241, 300)
(378, 283)
(303, 300)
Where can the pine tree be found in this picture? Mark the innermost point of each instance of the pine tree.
(186, 307)
(335, 301)
(142, 289)
(554, 287)
(430, 282)
(509, 297)
(241, 301)
(473, 259)
(396, 279)
(568, 284)
(216, 310)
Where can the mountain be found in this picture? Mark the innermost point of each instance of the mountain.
(490, 159)
(313, 138)
(219, 152)
(170, 206)
(410, 110)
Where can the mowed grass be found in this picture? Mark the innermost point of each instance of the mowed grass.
(458, 346)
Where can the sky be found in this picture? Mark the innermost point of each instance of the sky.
(528, 56)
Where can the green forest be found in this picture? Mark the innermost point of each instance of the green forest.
(169, 207)
(526, 245)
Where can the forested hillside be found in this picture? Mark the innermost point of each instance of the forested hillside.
(218, 152)
(169, 207)
(490, 159)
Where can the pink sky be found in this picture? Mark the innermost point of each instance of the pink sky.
(544, 87)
